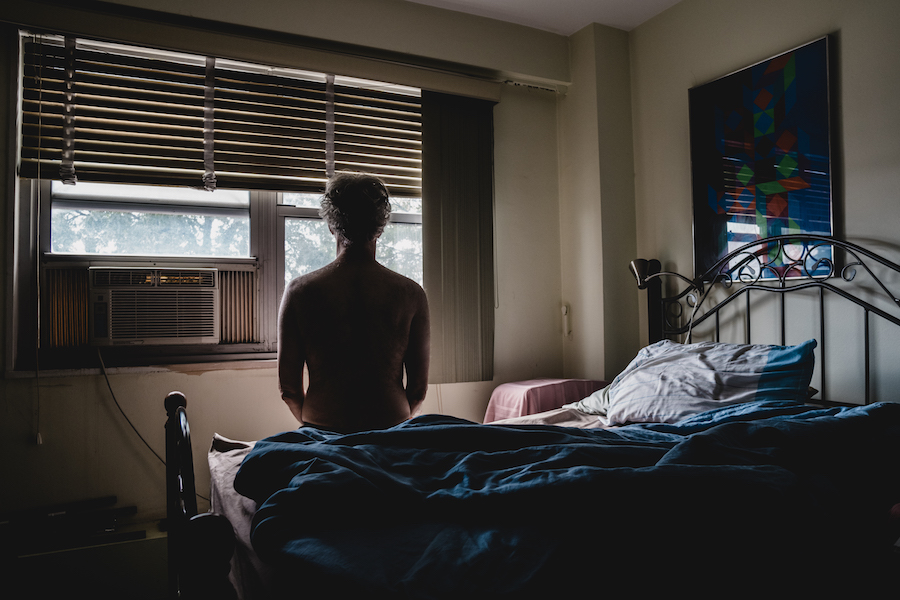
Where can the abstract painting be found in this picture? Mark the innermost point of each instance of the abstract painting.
(761, 154)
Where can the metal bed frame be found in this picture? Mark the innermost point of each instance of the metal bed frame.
(199, 545)
(776, 265)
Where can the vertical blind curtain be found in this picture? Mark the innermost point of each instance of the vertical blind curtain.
(458, 239)
(94, 111)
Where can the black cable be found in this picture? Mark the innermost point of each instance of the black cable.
(127, 420)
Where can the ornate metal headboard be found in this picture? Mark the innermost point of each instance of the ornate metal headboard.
(777, 265)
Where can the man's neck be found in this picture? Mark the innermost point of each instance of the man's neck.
(357, 252)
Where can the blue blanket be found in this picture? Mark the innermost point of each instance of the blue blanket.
(439, 507)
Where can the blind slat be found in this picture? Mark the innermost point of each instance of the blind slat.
(125, 88)
(118, 85)
(239, 120)
(261, 163)
(45, 125)
(233, 79)
(31, 138)
(128, 161)
(401, 113)
(113, 117)
(87, 150)
(261, 105)
(412, 144)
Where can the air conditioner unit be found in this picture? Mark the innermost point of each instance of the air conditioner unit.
(153, 306)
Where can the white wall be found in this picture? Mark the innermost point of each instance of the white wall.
(597, 205)
(528, 321)
(88, 449)
(397, 26)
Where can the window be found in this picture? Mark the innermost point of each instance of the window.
(106, 224)
(196, 188)
(183, 162)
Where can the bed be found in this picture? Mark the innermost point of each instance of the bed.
(712, 467)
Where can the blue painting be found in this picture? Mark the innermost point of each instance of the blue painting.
(761, 153)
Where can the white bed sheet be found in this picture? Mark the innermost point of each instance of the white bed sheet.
(561, 417)
(248, 573)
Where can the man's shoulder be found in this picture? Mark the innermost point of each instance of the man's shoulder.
(336, 278)
(399, 278)
(401, 281)
(307, 281)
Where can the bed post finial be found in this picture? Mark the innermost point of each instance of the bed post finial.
(173, 401)
(646, 273)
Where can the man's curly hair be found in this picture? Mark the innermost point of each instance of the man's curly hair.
(356, 206)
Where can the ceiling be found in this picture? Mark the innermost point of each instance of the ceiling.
(564, 17)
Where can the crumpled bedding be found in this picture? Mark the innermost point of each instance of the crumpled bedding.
(439, 507)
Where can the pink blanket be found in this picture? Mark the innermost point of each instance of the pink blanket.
(522, 398)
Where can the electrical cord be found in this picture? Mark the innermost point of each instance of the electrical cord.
(127, 420)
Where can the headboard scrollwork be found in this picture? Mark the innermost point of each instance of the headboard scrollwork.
(781, 265)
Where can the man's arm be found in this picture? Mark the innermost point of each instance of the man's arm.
(418, 352)
(291, 356)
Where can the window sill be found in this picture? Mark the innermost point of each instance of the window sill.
(266, 361)
(53, 259)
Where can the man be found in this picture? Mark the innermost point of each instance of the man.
(354, 323)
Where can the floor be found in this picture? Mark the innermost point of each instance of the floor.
(134, 570)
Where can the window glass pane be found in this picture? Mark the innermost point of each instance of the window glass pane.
(117, 232)
(407, 205)
(147, 220)
(398, 205)
(301, 200)
(308, 245)
(400, 249)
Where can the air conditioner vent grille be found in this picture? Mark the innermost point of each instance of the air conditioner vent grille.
(105, 278)
(141, 313)
(154, 305)
(187, 278)
(191, 278)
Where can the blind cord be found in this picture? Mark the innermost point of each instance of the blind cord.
(38, 439)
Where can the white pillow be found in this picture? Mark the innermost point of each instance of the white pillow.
(667, 381)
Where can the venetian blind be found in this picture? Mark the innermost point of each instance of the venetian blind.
(95, 111)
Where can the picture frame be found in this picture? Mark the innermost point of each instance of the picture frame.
(761, 156)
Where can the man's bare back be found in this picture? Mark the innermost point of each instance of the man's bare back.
(357, 326)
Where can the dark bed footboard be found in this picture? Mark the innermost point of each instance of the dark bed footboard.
(200, 546)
